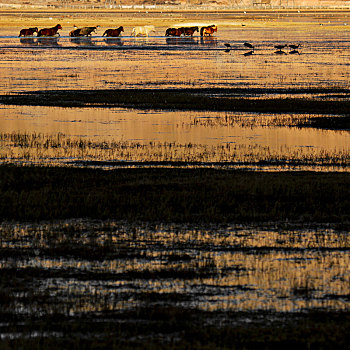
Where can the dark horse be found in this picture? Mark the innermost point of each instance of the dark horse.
(174, 31)
(28, 32)
(113, 32)
(208, 31)
(50, 31)
(190, 30)
(85, 31)
(75, 33)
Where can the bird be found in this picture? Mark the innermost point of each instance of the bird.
(293, 52)
(249, 45)
(280, 52)
(249, 53)
(227, 45)
(280, 46)
(293, 46)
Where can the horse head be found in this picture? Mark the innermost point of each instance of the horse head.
(58, 26)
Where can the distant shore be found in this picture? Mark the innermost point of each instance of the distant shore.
(175, 9)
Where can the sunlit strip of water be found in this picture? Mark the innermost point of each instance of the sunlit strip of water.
(276, 268)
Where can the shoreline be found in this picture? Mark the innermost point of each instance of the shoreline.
(174, 195)
(335, 112)
(162, 10)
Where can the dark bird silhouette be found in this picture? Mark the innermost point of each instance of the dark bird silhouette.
(227, 45)
(294, 47)
(293, 52)
(249, 53)
(280, 47)
(249, 45)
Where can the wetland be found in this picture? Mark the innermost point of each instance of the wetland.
(170, 193)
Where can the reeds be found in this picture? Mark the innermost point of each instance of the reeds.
(192, 195)
(58, 149)
(155, 282)
(262, 100)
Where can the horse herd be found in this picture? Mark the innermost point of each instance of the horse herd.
(136, 31)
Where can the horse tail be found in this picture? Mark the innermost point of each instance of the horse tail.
(202, 31)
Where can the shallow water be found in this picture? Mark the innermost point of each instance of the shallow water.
(157, 61)
(94, 266)
(116, 134)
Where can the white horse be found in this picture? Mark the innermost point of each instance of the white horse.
(142, 31)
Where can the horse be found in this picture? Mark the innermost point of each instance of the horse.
(190, 30)
(28, 32)
(86, 31)
(208, 31)
(174, 31)
(75, 33)
(49, 31)
(142, 31)
(113, 32)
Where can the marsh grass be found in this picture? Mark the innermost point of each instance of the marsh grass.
(56, 149)
(168, 287)
(262, 100)
(193, 195)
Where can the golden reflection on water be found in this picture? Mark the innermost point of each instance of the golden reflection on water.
(57, 135)
(229, 268)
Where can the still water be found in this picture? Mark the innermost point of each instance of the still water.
(82, 266)
(92, 266)
(157, 61)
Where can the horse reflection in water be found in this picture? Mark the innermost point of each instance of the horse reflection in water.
(49, 42)
(82, 41)
(181, 41)
(208, 41)
(28, 41)
(114, 41)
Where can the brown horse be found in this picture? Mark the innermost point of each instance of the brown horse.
(28, 32)
(208, 31)
(174, 31)
(113, 32)
(75, 32)
(85, 31)
(50, 31)
(190, 30)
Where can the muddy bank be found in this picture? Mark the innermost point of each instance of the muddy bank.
(173, 195)
(302, 101)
